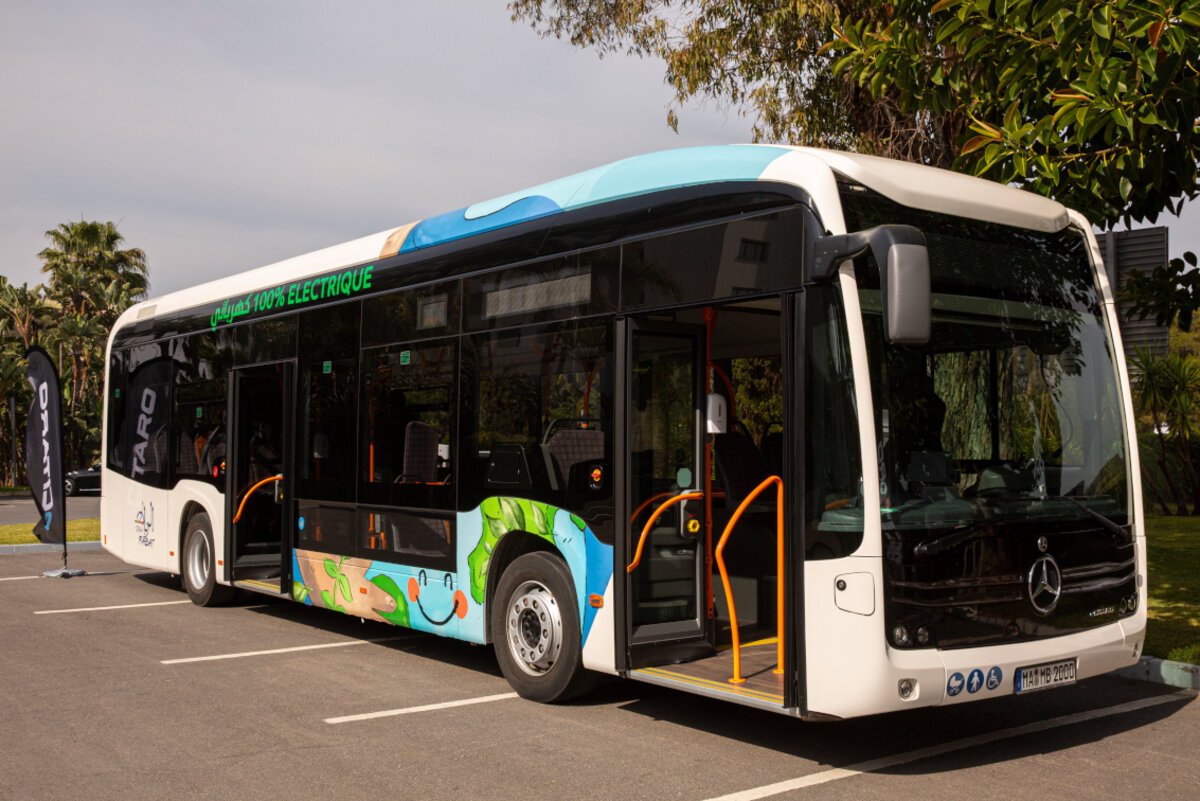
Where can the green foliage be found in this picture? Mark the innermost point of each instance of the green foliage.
(1091, 102)
(1170, 292)
(1167, 390)
(765, 56)
(91, 281)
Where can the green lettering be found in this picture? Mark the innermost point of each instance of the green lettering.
(367, 276)
(291, 296)
(344, 283)
(356, 281)
(304, 296)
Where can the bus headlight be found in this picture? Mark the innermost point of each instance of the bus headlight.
(900, 636)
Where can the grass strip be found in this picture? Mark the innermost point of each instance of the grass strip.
(1173, 548)
(85, 530)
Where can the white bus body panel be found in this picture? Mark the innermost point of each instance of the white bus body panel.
(144, 526)
(850, 668)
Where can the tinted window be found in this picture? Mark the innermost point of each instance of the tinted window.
(199, 424)
(327, 404)
(743, 257)
(834, 469)
(143, 434)
(411, 314)
(539, 406)
(558, 289)
(407, 426)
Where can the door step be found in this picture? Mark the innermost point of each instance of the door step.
(263, 586)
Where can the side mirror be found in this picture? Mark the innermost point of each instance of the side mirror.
(907, 304)
(903, 261)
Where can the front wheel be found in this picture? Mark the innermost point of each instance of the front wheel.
(535, 627)
(70, 487)
(199, 571)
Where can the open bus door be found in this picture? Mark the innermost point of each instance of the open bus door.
(258, 477)
(689, 489)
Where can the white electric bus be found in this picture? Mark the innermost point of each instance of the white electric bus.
(819, 433)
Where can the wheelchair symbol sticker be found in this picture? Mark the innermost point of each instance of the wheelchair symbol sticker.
(994, 676)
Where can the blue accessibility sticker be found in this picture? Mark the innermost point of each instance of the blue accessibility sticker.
(994, 677)
(301, 522)
(955, 685)
(975, 681)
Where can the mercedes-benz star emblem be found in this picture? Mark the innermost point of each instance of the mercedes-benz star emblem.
(1045, 584)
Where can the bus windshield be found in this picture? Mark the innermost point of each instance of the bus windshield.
(1011, 411)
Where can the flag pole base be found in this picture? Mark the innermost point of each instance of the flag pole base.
(64, 572)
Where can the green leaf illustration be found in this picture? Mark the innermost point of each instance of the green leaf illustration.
(331, 567)
(343, 584)
(327, 599)
(514, 518)
(578, 521)
(539, 519)
(299, 591)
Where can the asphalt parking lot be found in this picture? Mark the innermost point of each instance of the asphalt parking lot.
(20, 509)
(156, 698)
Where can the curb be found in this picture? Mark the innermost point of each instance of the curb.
(38, 547)
(1164, 671)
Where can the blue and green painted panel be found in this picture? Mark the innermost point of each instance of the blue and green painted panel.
(453, 603)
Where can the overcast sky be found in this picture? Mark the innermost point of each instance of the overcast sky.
(228, 135)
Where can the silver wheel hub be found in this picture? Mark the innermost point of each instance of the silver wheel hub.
(533, 628)
(199, 561)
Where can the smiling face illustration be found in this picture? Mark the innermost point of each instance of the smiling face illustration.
(458, 607)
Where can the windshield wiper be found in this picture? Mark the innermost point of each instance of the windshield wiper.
(947, 541)
(1123, 536)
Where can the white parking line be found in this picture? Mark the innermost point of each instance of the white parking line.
(344, 644)
(409, 710)
(826, 776)
(106, 608)
(18, 578)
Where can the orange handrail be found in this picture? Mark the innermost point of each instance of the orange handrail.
(658, 497)
(733, 624)
(249, 492)
(683, 496)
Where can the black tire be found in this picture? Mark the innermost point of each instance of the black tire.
(534, 590)
(198, 565)
(70, 487)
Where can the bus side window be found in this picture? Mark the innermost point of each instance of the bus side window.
(326, 422)
(537, 416)
(407, 424)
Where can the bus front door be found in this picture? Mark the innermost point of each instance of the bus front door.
(667, 614)
(258, 480)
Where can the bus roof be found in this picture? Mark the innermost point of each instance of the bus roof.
(908, 184)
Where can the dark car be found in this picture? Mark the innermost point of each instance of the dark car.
(83, 480)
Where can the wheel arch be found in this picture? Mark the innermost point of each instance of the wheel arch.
(509, 548)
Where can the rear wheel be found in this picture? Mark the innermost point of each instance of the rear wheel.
(199, 565)
(70, 487)
(535, 627)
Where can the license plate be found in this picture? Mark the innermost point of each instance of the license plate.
(1041, 677)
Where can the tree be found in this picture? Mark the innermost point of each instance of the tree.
(91, 281)
(1091, 102)
(762, 56)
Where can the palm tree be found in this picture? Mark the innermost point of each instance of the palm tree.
(26, 310)
(90, 273)
(93, 280)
